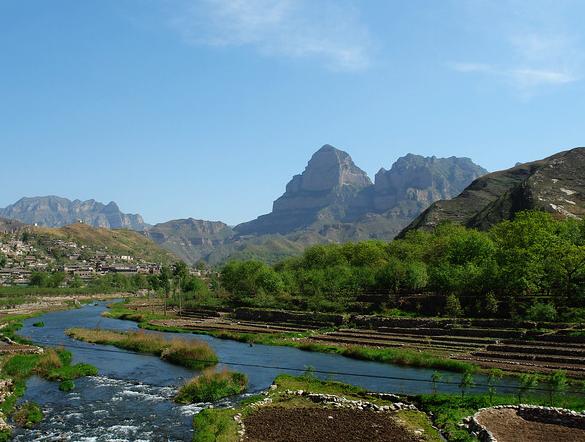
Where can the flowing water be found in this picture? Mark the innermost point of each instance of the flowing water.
(131, 399)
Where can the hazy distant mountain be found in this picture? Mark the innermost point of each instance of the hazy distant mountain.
(333, 200)
(190, 239)
(53, 211)
(555, 184)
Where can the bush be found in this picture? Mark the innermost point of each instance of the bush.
(542, 312)
(67, 385)
(28, 415)
(453, 306)
(189, 353)
(211, 386)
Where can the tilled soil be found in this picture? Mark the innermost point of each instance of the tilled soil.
(507, 426)
(323, 425)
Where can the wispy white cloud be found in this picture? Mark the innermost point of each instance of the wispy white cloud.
(537, 43)
(524, 78)
(327, 30)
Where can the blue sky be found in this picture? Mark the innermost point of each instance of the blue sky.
(206, 108)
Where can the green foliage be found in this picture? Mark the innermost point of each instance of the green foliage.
(466, 382)
(494, 273)
(211, 386)
(436, 377)
(494, 375)
(453, 306)
(557, 384)
(28, 415)
(215, 425)
(67, 385)
(448, 409)
(542, 312)
(528, 381)
(38, 324)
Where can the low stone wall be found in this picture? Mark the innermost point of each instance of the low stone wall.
(552, 415)
(268, 315)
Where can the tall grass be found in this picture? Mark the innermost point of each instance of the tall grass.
(211, 386)
(186, 352)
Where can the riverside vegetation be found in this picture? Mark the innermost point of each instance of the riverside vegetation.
(211, 386)
(53, 365)
(186, 352)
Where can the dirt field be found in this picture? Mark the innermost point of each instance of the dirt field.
(507, 426)
(323, 425)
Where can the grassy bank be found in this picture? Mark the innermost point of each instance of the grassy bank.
(211, 386)
(53, 365)
(186, 352)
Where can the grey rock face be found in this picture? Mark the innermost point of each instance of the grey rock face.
(334, 195)
(555, 184)
(329, 182)
(422, 181)
(53, 211)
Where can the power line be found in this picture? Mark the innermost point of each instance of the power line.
(304, 369)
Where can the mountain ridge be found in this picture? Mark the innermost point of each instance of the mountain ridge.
(554, 184)
(55, 211)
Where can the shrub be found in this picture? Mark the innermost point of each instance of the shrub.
(453, 306)
(211, 386)
(189, 353)
(542, 312)
(28, 415)
(67, 385)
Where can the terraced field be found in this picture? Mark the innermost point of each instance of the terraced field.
(489, 343)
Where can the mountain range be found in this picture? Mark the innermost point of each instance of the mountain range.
(54, 211)
(332, 200)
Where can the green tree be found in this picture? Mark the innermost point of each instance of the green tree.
(557, 385)
(39, 279)
(436, 377)
(494, 375)
(453, 306)
(491, 304)
(2, 261)
(528, 381)
(542, 312)
(466, 382)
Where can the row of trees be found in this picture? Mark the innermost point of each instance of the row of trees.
(533, 261)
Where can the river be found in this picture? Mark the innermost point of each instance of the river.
(131, 398)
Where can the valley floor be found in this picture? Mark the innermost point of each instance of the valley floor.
(444, 345)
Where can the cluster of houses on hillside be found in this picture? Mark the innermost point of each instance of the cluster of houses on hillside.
(19, 259)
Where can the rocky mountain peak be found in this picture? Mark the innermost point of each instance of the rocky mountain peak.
(423, 180)
(328, 169)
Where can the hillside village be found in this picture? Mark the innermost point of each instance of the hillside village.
(26, 253)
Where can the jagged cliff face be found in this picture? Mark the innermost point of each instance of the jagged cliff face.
(337, 199)
(52, 211)
(555, 184)
(324, 190)
(415, 182)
